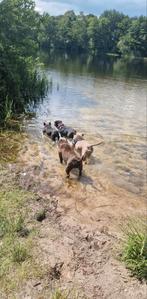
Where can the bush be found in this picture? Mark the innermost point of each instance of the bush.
(135, 249)
(22, 82)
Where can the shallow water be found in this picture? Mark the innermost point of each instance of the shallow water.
(107, 103)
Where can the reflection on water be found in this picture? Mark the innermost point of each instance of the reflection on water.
(102, 97)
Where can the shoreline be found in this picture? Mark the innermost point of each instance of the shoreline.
(80, 236)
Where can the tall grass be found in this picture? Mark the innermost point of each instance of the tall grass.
(134, 252)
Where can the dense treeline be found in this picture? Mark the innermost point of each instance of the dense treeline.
(112, 32)
(20, 82)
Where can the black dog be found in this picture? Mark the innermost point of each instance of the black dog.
(51, 132)
(64, 130)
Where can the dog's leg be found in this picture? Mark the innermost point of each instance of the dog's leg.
(68, 169)
(86, 162)
(60, 157)
(67, 172)
(80, 169)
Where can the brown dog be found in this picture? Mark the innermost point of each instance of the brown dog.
(69, 156)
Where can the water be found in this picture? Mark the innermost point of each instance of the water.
(101, 98)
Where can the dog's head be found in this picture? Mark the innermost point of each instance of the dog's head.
(77, 137)
(57, 123)
(62, 141)
(47, 126)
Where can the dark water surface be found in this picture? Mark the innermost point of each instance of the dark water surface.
(106, 97)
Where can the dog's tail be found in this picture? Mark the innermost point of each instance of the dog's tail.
(95, 144)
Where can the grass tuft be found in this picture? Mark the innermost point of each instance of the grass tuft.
(10, 144)
(135, 248)
(19, 253)
(58, 294)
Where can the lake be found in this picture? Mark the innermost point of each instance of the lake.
(103, 98)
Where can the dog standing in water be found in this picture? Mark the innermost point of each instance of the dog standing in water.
(69, 156)
(64, 130)
(50, 131)
(83, 147)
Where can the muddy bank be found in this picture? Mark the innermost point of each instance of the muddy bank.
(95, 198)
(77, 243)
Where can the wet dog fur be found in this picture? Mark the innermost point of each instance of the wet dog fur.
(82, 146)
(50, 131)
(69, 156)
(64, 130)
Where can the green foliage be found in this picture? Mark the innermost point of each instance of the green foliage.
(134, 42)
(21, 82)
(135, 249)
(112, 32)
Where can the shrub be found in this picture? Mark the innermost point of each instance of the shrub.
(135, 249)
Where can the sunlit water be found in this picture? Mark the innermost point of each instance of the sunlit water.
(110, 103)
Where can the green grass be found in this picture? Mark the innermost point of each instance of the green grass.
(10, 143)
(19, 253)
(18, 261)
(59, 294)
(134, 252)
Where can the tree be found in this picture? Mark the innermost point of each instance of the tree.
(48, 34)
(111, 20)
(112, 32)
(134, 42)
(20, 81)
